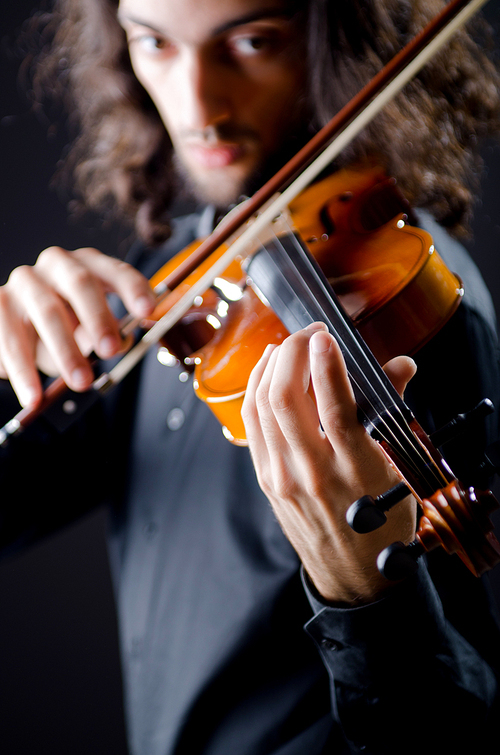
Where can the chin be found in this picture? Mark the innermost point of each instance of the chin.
(219, 186)
(217, 190)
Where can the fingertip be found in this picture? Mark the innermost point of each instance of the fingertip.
(268, 350)
(403, 366)
(144, 305)
(109, 345)
(81, 378)
(320, 342)
(412, 365)
(400, 370)
(316, 326)
(29, 396)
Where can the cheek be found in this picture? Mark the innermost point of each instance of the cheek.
(277, 102)
(167, 108)
(156, 83)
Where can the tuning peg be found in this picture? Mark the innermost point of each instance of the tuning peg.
(491, 463)
(461, 422)
(368, 514)
(399, 561)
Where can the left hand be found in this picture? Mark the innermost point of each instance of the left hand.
(313, 458)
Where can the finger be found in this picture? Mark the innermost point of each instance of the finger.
(250, 411)
(84, 291)
(358, 455)
(400, 371)
(124, 280)
(17, 348)
(289, 393)
(258, 442)
(48, 313)
(332, 388)
(290, 425)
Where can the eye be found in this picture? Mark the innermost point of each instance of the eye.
(250, 45)
(149, 43)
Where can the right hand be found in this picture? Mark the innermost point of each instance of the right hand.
(54, 313)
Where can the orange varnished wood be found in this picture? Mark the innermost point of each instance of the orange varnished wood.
(457, 520)
(389, 280)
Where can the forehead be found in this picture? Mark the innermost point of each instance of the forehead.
(199, 19)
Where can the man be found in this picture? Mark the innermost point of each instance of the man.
(209, 593)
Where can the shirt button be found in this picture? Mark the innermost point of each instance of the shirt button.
(150, 530)
(175, 419)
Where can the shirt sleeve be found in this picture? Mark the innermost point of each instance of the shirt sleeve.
(402, 678)
(418, 670)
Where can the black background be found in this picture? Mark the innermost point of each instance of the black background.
(60, 683)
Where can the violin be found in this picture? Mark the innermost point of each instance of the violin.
(383, 270)
(262, 257)
(375, 272)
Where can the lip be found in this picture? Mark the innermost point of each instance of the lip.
(217, 156)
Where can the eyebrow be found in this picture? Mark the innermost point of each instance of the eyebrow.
(240, 21)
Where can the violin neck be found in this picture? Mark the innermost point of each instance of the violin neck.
(288, 277)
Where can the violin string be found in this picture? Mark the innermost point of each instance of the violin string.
(367, 368)
(342, 341)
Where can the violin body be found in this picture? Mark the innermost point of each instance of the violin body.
(387, 276)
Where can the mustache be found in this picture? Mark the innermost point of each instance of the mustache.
(223, 132)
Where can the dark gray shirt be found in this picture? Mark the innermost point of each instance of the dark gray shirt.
(212, 607)
(225, 651)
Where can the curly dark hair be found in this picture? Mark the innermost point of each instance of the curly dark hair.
(428, 137)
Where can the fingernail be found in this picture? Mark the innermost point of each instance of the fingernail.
(316, 326)
(320, 342)
(81, 377)
(108, 346)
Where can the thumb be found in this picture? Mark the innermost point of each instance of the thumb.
(400, 371)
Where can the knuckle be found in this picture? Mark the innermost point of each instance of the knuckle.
(315, 487)
(20, 276)
(124, 267)
(262, 403)
(80, 277)
(264, 482)
(51, 255)
(90, 258)
(284, 489)
(83, 252)
(247, 409)
(49, 307)
(281, 399)
(275, 485)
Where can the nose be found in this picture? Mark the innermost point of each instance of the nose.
(204, 91)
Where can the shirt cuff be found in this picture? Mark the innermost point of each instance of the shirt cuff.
(411, 613)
